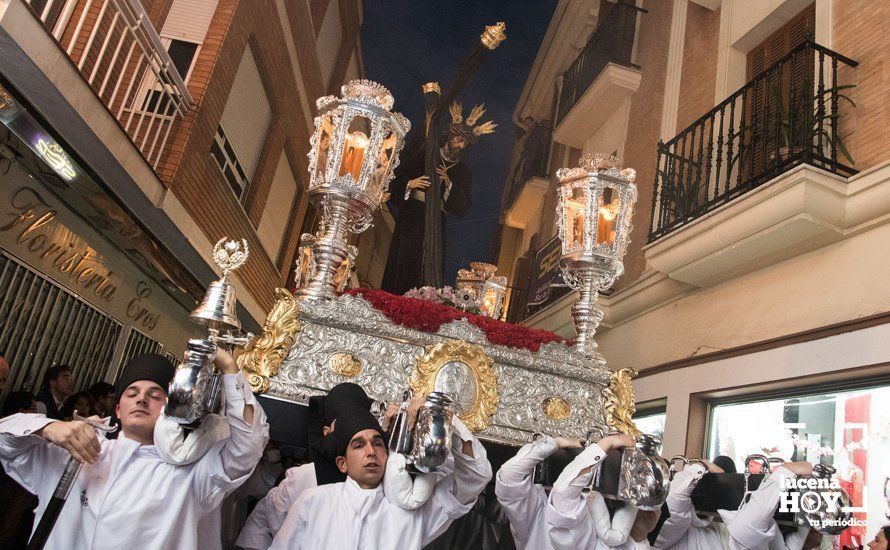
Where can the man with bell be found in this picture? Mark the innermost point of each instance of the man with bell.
(127, 495)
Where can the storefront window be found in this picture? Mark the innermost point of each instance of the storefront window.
(849, 430)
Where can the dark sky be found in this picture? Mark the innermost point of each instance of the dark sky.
(407, 43)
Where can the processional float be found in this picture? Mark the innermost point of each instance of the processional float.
(314, 339)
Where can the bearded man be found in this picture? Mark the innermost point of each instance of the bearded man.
(404, 265)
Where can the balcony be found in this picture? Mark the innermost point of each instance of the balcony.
(600, 78)
(528, 180)
(714, 217)
(117, 51)
(785, 116)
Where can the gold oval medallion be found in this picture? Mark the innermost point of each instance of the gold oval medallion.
(345, 364)
(556, 408)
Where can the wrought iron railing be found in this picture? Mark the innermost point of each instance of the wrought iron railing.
(533, 161)
(611, 42)
(118, 52)
(786, 115)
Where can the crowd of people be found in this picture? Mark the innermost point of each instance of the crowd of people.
(142, 488)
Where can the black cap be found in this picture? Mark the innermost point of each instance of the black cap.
(351, 421)
(343, 396)
(324, 409)
(726, 463)
(148, 366)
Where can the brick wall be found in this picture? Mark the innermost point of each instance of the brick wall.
(860, 32)
(699, 75)
(189, 169)
(640, 150)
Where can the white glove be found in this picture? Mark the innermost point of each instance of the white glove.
(399, 487)
(175, 447)
(614, 531)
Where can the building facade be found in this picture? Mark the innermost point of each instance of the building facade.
(753, 302)
(136, 135)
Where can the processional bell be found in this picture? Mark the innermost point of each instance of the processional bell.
(195, 390)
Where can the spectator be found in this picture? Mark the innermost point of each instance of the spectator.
(103, 397)
(18, 504)
(19, 402)
(881, 538)
(82, 402)
(58, 385)
(4, 371)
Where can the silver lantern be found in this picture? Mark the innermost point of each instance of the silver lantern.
(825, 507)
(427, 444)
(594, 212)
(645, 475)
(355, 149)
(486, 289)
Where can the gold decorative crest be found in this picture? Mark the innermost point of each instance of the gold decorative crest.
(463, 357)
(432, 87)
(556, 408)
(494, 35)
(345, 364)
(619, 402)
(264, 354)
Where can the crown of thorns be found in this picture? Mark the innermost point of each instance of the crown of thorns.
(457, 119)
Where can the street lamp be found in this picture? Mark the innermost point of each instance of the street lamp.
(355, 148)
(595, 207)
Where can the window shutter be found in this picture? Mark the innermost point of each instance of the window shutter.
(780, 43)
(278, 208)
(795, 74)
(247, 114)
(189, 20)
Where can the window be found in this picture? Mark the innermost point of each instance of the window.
(182, 54)
(652, 423)
(773, 96)
(243, 126)
(826, 427)
(225, 157)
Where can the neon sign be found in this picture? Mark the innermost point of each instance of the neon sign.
(57, 158)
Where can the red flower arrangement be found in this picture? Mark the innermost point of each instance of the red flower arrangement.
(429, 317)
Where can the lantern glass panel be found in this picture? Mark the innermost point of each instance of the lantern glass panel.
(490, 301)
(384, 158)
(324, 146)
(575, 207)
(355, 145)
(608, 207)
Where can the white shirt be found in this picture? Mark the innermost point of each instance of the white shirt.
(343, 515)
(577, 522)
(523, 501)
(269, 514)
(752, 527)
(130, 498)
(221, 526)
(684, 530)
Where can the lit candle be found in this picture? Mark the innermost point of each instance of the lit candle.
(354, 154)
(605, 233)
(489, 301)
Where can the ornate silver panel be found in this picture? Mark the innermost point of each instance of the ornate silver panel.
(382, 355)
